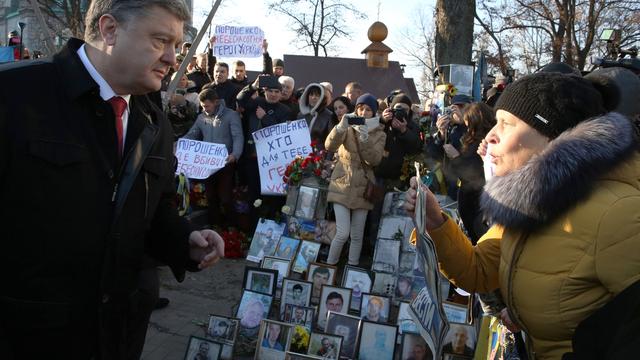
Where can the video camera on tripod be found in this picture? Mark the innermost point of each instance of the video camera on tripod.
(616, 55)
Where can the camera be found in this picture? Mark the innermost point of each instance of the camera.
(447, 111)
(356, 120)
(399, 113)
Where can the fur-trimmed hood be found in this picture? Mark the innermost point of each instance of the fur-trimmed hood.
(305, 108)
(563, 174)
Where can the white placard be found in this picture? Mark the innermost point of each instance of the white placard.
(238, 41)
(199, 159)
(277, 146)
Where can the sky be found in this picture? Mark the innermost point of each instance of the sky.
(398, 19)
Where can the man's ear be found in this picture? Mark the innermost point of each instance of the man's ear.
(107, 25)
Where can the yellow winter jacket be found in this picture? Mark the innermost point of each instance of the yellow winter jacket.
(564, 245)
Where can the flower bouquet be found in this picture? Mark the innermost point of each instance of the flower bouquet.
(313, 165)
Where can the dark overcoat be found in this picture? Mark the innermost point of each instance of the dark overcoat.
(75, 220)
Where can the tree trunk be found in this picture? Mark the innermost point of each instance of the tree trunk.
(454, 31)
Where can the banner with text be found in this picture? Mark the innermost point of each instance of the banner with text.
(199, 159)
(238, 41)
(277, 146)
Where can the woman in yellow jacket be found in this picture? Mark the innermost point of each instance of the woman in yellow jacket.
(565, 204)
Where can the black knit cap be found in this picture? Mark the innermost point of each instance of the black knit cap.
(551, 102)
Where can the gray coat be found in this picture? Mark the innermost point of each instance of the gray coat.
(223, 127)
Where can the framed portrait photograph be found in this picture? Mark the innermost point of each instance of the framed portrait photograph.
(201, 348)
(265, 239)
(227, 352)
(404, 288)
(307, 201)
(299, 228)
(299, 315)
(287, 247)
(282, 266)
(360, 281)
(307, 254)
(326, 346)
(273, 340)
(414, 348)
(348, 327)
(377, 341)
(384, 284)
(294, 292)
(375, 308)
(332, 298)
(260, 280)
(455, 313)
(405, 321)
(223, 328)
(319, 275)
(386, 257)
(460, 341)
(253, 308)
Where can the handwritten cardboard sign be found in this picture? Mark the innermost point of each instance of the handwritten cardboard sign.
(199, 159)
(238, 41)
(277, 146)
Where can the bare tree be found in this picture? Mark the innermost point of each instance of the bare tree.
(416, 42)
(68, 14)
(318, 22)
(488, 17)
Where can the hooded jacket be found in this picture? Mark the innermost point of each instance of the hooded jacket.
(223, 127)
(318, 117)
(567, 233)
(348, 180)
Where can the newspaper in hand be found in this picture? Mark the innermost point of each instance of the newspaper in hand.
(420, 213)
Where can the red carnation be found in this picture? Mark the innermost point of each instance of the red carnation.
(318, 172)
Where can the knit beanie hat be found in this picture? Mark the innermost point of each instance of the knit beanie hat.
(551, 102)
(278, 62)
(402, 98)
(370, 100)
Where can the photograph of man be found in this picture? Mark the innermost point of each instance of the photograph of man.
(203, 352)
(334, 301)
(251, 311)
(415, 348)
(375, 309)
(377, 342)
(307, 254)
(403, 288)
(271, 337)
(319, 276)
(347, 327)
(100, 151)
(221, 329)
(201, 349)
(458, 341)
(299, 316)
(328, 349)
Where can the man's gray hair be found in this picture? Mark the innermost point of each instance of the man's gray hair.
(287, 79)
(126, 10)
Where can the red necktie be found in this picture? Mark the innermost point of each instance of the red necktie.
(119, 105)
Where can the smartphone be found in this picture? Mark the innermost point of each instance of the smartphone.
(267, 81)
(356, 120)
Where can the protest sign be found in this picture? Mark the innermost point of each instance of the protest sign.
(199, 159)
(277, 146)
(238, 41)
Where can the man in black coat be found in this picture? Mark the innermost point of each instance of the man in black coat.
(86, 172)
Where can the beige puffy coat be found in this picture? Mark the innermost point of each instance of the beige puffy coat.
(570, 235)
(348, 181)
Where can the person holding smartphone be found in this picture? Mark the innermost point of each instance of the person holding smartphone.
(359, 141)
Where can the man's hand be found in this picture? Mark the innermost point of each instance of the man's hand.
(231, 159)
(482, 148)
(506, 321)
(212, 41)
(260, 113)
(434, 217)
(400, 125)
(265, 46)
(451, 151)
(206, 247)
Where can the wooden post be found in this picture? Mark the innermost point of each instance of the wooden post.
(194, 46)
